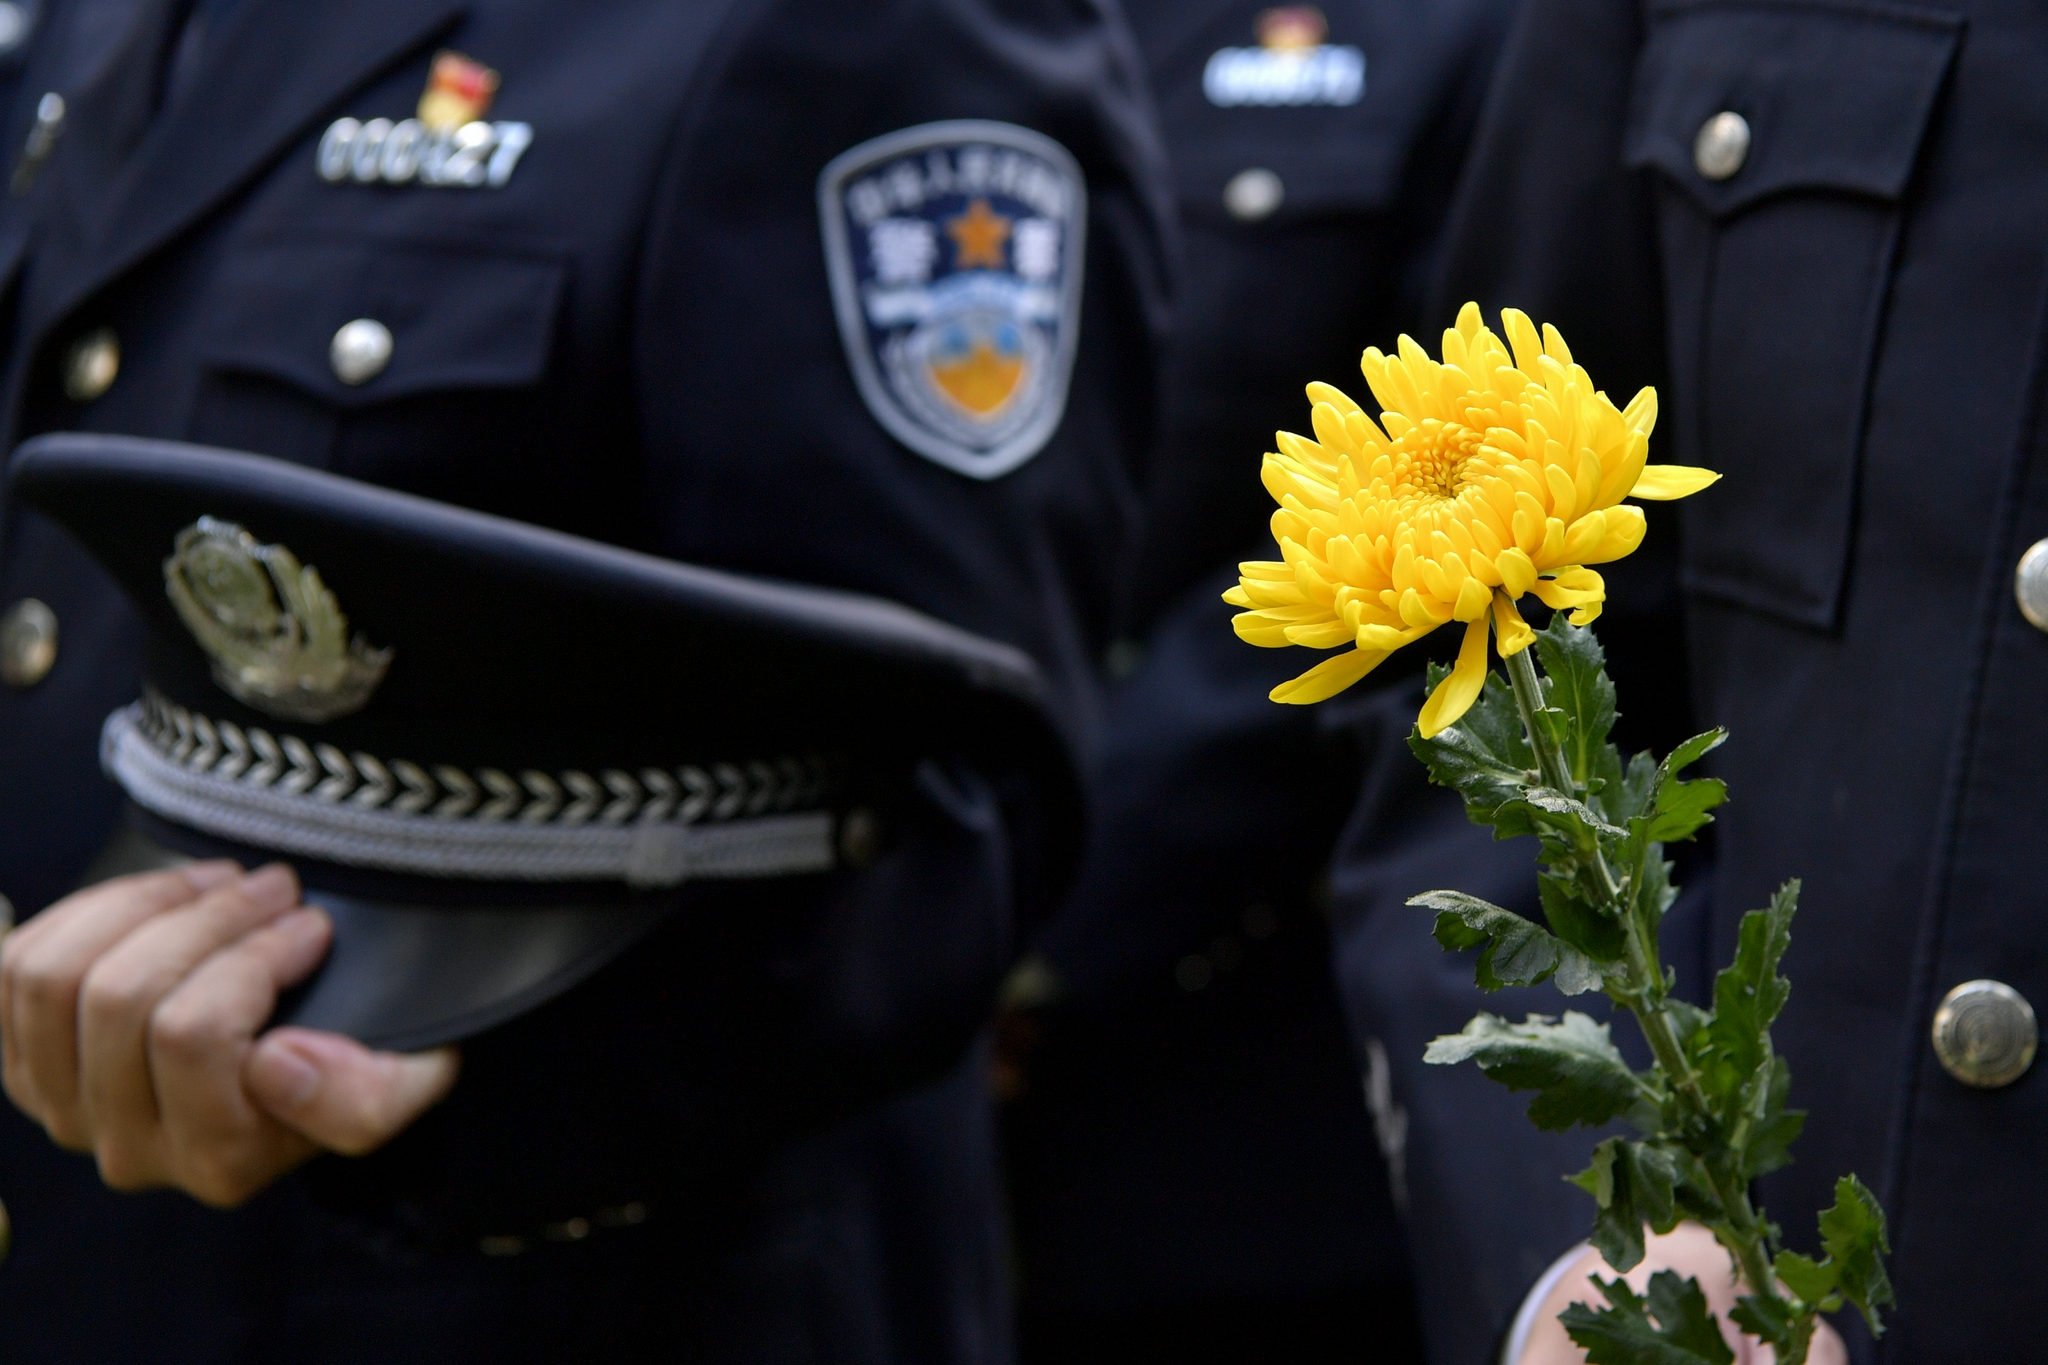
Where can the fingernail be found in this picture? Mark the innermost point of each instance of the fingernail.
(206, 876)
(309, 922)
(287, 1079)
(273, 887)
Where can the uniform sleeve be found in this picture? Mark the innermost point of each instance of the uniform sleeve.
(1546, 220)
(763, 450)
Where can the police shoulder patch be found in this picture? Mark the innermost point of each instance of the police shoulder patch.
(955, 258)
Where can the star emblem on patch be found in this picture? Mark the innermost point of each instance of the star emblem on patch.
(954, 251)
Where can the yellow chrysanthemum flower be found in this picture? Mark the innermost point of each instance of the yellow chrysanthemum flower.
(1487, 476)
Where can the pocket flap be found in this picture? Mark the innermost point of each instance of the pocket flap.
(458, 319)
(1837, 96)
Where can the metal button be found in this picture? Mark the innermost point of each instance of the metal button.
(1722, 146)
(1253, 194)
(360, 351)
(91, 364)
(1984, 1034)
(28, 643)
(2030, 584)
(14, 26)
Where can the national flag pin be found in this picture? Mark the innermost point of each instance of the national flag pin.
(459, 90)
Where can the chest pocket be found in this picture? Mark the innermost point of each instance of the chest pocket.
(404, 364)
(1778, 249)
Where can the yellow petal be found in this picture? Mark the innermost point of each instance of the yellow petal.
(1334, 396)
(1255, 629)
(1236, 597)
(1511, 633)
(1472, 599)
(1321, 634)
(1461, 687)
(1328, 678)
(1641, 412)
(1625, 527)
(1666, 482)
(1517, 571)
(1469, 321)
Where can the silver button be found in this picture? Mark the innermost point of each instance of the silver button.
(1722, 146)
(28, 643)
(360, 351)
(1253, 194)
(91, 365)
(2030, 584)
(13, 26)
(1984, 1034)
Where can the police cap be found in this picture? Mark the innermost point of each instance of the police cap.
(498, 754)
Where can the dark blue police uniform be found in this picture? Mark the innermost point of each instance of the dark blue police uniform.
(1817, 227)
(1194, 1171)
(770, 287)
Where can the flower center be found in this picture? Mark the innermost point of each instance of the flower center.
(1431, 458)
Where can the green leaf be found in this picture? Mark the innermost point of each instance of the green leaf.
(1579, 922)
(1683, 1333)
(1853, 1234)
(1635, 794)
(1773, 1128)
(1573, 1065)
(1633, 1183)
(1516, 951)
(1682, 808)
(1485, 757)
(1771, 1320)
(1693, 750)
(1804, 1276)
(1576, 669)
(1747, 997)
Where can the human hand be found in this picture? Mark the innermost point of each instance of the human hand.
(1688, 1249)
(129, 1014)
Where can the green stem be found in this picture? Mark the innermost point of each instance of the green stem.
(1643, 994)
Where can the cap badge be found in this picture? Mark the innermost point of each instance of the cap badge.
(459, 89)
(277, 638)
(1292, 65)
(955, 258)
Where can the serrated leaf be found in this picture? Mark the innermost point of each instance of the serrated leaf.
(1773, 1131)
(1748, 994)
(1575, 668)
(1693, 750)
(1634, 794)
(1804, 1276)
(1633, 1183)
(1769, 1320)
(1516, 951)
(1623, 1333)
(1573, 1065)
(1852, 1232)
(1485, 757)
(1579, 922)
(1682, 808)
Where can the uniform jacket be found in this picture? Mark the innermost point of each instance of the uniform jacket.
(632, 338)
(1850, 328)
(1193, 1095)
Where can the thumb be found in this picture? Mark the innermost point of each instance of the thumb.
(341, 1094)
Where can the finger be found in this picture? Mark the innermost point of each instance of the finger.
(216, 1144)
(116, 1095)
(43, 965)
(341, 1094)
